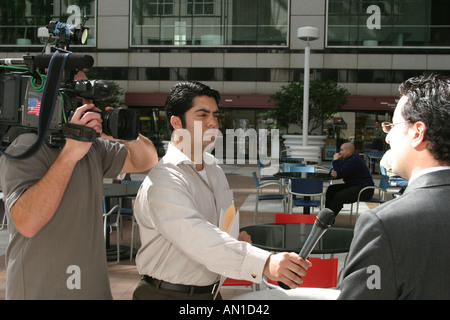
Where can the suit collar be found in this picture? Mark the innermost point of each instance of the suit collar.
(432, 177)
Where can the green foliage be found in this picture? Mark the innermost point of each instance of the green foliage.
(325, 99)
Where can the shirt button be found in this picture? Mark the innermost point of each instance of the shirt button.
(254, 276)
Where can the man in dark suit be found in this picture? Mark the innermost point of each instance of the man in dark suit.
(401, 249)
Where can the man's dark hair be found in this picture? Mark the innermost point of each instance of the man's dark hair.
(180, 99)
(429, 102)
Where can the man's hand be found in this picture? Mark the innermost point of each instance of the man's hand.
(287, 268)
(336, 156)
(84, 117)
(333, 173)
(244, 236)
(75, 149)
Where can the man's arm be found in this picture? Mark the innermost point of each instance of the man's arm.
(369, 272)
(345, 168)
(142, 156)
(32, 210)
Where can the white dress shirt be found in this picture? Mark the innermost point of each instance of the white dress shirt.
(178, 215)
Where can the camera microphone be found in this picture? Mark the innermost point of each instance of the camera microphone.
(74, 61)
(325, 219)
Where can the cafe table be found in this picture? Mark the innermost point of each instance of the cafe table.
(117, 191)
(290, 237)
(303, 175)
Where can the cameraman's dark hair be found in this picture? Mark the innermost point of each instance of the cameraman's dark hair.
(180, 99)
(429, 102)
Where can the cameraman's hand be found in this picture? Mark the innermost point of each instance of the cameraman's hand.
(74, 149)
(83, 117)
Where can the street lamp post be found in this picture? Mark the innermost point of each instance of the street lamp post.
(306, 34)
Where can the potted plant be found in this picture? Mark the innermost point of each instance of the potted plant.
(326, 98)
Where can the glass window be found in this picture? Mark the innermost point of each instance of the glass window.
(209, 22)
(388, 23)
(20, 19)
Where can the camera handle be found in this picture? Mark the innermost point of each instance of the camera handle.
(79, 132)
(49, 97)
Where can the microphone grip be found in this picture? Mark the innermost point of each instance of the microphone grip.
(284, 286)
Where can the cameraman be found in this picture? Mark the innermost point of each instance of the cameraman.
(54, 207)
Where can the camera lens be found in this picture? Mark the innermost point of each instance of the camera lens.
(121, 124)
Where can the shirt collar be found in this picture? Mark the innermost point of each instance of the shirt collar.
(175, 156)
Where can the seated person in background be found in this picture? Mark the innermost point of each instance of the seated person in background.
(348, 166)
(394, 179)
(386, 162)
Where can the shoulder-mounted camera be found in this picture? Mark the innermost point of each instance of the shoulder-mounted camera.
(38, 94)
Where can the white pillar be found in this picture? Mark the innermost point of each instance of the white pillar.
(306, 96)
(306, 34)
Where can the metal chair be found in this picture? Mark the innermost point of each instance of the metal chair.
(395, 183)
(260, 196)
(130, 213)
(5, 219)
(379, 197)
(112, 224)
(306, 188)
(261, 174)
(374, 158)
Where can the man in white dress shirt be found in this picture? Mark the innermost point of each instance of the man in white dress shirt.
(178, 209)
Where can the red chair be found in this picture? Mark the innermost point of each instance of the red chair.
(322, 274)
(230, 282)
(295, 218)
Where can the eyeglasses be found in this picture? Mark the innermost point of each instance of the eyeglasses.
(387, 126)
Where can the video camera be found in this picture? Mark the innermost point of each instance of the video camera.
(23, 88)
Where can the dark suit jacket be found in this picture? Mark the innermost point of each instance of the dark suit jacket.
(401, 249)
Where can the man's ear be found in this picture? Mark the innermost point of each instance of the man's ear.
(419, 130)
(176, 122)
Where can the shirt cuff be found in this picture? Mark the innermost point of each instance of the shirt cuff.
(254, 263)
